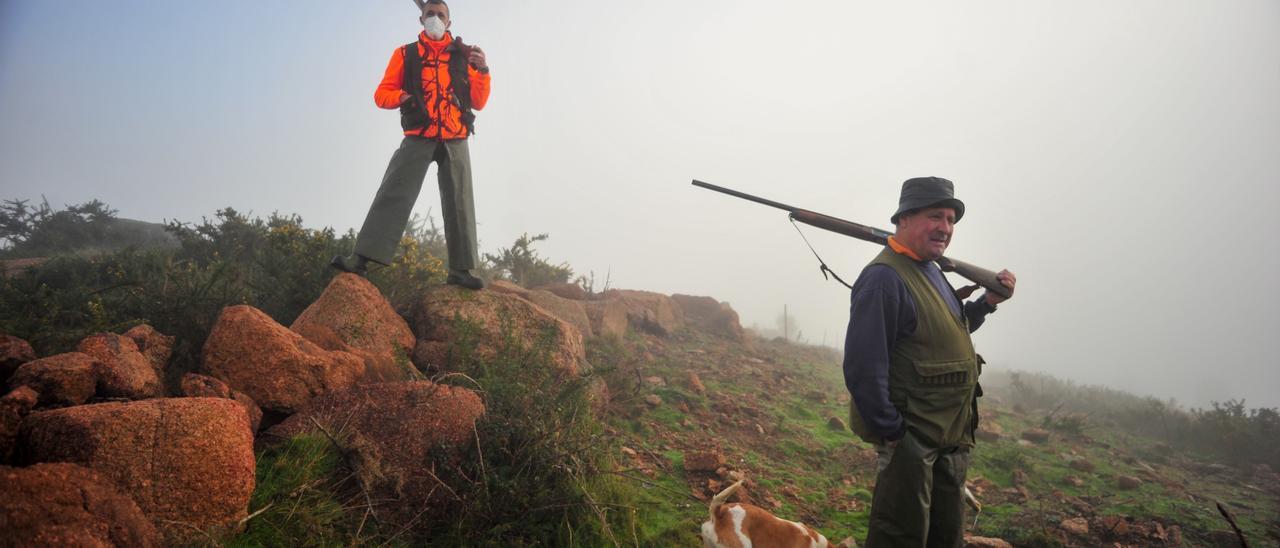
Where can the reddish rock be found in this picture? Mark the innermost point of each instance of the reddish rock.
(1128, 482)
(13, 407)
(1114, 526)
(353, 316)
(122, 371)
(985, 542)
(566, 290)
(695, 383)
(837, 424)
(276, 367)
(402, 472)
(647, 311)
(486, 320)
(1073, 481)
(1036, 435)
(710, 315)
(13, 353)
(187, 462)
(608, 318)
(64, 504)
(195, 385)
(568, 310)
(703, 461)
(61, 379)
(156, 346)
(1076, 526)
(653, 400)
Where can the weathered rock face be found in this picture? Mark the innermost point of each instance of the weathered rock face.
(608, 318)
(68, 505)
(353, 316)
(156, 346)
(276, 367)
(13, 407)
(504, 286)
(195, 385)
(565, 309)
(710, 315)
(61, 379)
(122, 371)
(450, 319)
(566, 290)
(13, 353)
(187, 462)
(647, 311)
(405, 471)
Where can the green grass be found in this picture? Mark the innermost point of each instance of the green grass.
(296, 501)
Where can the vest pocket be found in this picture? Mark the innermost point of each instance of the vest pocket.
(943, 373)
(938, 405)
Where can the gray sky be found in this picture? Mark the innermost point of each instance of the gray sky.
(1120, 157)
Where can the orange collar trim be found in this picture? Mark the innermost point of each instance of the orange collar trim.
(902, 249)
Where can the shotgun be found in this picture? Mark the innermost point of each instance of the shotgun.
(976, 274)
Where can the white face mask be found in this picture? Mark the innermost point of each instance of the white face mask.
(434, 27)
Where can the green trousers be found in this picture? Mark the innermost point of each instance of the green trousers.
(385, 224)
(919, 496)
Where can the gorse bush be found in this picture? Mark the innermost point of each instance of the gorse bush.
(541, 470)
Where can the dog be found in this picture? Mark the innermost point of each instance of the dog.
(741, 525)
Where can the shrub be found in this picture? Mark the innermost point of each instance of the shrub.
(522, 265)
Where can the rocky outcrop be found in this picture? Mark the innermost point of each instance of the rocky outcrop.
(187, 462)
(276, 367)
(565, 309)
(61, 379)
(710, 315)
(156, 346)
(68, 505)
(608, 318)
(353, 316)
(13, 353)
(647, 311)
(122, 371)
(451, 322)
(13, 407)
(410, 474)
(566, 290)
(195, 385)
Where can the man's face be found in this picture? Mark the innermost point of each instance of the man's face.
(435, 10)
(927, 232)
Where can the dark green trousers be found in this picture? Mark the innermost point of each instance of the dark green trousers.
(385, 223)
(919, 496)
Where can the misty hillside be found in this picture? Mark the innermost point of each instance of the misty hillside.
(233, 390)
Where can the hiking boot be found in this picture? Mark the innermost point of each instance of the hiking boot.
(355, 264)
(464, 279)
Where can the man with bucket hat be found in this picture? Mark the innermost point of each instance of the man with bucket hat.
(912, 371)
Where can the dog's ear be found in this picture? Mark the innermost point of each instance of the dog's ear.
(422, 4)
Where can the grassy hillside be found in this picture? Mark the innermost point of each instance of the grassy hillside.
(768, 409)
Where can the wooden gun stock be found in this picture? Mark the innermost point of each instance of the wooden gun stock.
(981, 276)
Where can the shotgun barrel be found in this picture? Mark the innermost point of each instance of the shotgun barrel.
(976, 274)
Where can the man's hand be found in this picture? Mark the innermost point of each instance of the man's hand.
(477, 60)
(1006, 279)
(405, 98)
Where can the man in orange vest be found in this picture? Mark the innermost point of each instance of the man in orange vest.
(437, 83)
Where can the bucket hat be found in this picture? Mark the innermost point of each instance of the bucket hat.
(922, 192)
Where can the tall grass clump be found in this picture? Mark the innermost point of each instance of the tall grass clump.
(542, 466)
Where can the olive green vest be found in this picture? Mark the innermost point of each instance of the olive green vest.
(934, 372)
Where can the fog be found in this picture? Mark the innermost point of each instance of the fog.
(1121, 158)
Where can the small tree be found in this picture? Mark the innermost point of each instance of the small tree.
(522, 265)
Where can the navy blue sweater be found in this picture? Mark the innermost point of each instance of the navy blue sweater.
(881, 313)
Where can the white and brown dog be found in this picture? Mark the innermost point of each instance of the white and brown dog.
(740, 525)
